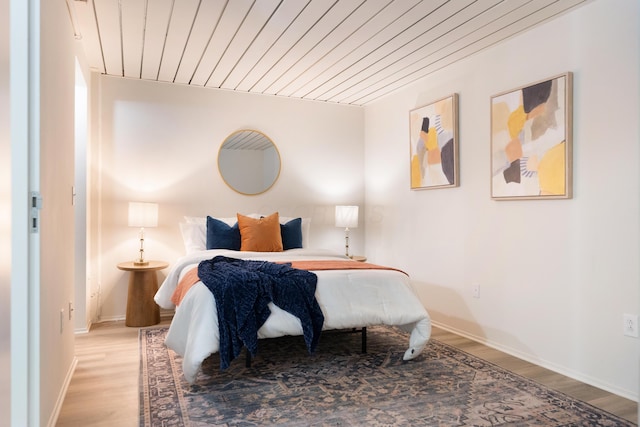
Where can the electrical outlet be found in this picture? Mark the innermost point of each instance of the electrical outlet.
(630, 327)
(475, 290)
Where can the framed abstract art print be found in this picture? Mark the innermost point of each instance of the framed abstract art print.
(433, 137)
(531, 141)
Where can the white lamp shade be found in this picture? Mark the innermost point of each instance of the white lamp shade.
(143, 214)
(347, 216)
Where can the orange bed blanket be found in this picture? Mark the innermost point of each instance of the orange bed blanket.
(191, 277)
(338, 265)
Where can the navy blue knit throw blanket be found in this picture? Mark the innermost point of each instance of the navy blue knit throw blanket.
(243, 290)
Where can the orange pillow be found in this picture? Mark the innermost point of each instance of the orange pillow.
(260, 234)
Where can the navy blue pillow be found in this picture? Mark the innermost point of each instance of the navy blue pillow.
(291, 233)
(222, 236)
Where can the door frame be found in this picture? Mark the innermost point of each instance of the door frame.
(24, 60)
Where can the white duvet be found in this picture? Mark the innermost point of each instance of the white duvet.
(348, 299)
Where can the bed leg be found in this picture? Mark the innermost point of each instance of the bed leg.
(247, 362)
(364, 340)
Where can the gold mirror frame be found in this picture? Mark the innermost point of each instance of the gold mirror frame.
(249, 162)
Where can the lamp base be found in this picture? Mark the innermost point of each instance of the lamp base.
(140, 262)
(346, 242)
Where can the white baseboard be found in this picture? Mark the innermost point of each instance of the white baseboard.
(116, 318)
(85, 330)
(562, 370)
(164, 314)
(53, 420)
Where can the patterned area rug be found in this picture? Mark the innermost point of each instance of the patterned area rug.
(339, 386)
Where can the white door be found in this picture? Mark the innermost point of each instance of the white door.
(24, 167)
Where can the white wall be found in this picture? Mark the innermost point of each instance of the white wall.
(556, 276)
(56, 124)
(41, 144)
(158, 142)
(82, 298)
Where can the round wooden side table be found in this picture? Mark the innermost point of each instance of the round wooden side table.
(142, 310)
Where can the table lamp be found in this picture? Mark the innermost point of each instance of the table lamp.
(347, 217)
(142, 215)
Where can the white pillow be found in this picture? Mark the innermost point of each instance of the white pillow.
(202, 220)
(194, 230)
(196, 219)
(194, 236)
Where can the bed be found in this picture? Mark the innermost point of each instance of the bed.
(349, 298)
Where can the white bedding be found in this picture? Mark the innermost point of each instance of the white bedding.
(348, 299)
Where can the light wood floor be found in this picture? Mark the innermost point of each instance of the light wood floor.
(104, 387)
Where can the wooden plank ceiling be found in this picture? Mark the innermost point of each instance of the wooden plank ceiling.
(341, 51)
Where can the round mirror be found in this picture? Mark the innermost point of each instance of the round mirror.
(249, 162)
